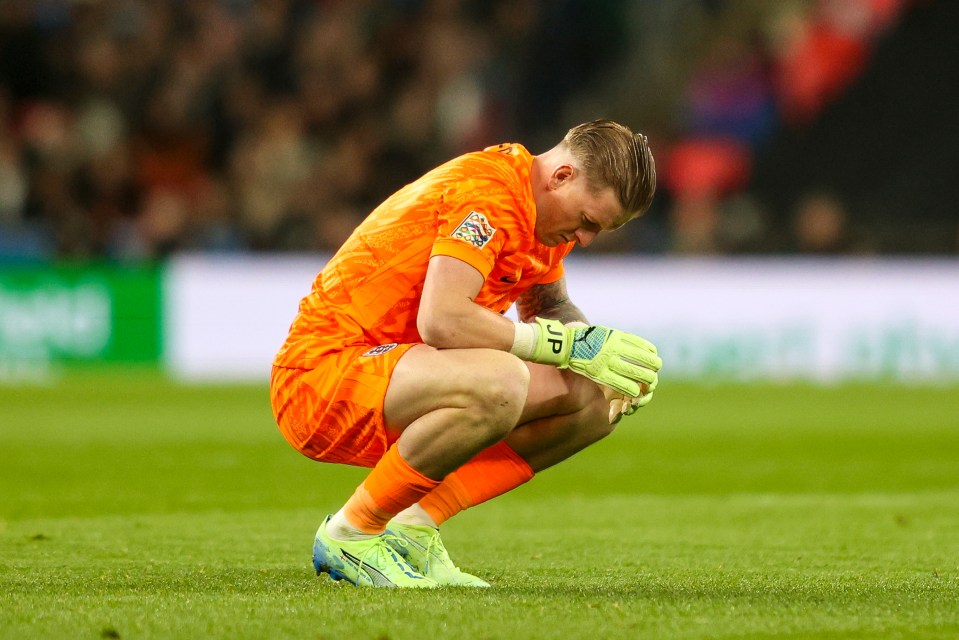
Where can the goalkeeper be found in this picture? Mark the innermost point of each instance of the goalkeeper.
(400, 358)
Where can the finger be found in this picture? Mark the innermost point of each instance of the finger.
(632, 371)
(621, 384)
(653, 385)
(609, 393)
(646, 359)
(642, 343)
(615, 410)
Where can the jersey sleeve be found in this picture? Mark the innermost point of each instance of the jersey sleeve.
(476, 229)
(473, 240)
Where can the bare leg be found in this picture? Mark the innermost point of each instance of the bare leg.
(564, 414)
(451, 404)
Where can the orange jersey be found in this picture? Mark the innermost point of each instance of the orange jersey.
(478, 208)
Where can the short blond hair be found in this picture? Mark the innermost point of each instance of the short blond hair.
(611, 155)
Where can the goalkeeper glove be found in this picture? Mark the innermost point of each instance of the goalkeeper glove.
(620, 405)
(619, 360)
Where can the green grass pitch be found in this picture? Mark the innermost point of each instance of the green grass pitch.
(131, 507)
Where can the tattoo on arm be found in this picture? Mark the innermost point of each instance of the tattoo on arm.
(548, 301)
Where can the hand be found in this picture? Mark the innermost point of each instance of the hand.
(616, 359)
(621, 405)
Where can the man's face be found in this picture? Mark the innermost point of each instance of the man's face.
(570, 212)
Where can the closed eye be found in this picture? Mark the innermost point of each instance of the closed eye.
(590, 225)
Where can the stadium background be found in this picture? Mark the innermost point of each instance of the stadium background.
(133, 134)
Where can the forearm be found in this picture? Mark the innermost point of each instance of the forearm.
(468, 326)
(448, 317)
(549, 301)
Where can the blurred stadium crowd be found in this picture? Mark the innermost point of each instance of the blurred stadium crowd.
(130, 129)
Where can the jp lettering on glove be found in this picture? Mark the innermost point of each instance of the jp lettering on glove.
(612, 358)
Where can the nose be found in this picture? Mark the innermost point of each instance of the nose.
(584, 237)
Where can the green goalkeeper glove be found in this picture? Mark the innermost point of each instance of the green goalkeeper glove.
(619, 360)
(620, 405)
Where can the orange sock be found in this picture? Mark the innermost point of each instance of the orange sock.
(491, 473)
(392, 486)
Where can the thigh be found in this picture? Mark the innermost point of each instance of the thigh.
(427, 380)
(557, 392)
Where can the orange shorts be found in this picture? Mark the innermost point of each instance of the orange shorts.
(334, 413)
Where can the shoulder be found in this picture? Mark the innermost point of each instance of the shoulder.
(508, 164)
(511, 158)
(489, 179)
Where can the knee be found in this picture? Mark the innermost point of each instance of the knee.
(595, 418)
(589, 409)
(497, 394)
(585, 398)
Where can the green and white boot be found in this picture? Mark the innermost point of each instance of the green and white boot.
(425, 551)
(371, 563)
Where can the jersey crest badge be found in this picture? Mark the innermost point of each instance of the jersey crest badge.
(475, 229)
(381, 349)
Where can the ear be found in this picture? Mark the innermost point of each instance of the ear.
(561, 174)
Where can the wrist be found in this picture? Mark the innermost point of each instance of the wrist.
(525, 339)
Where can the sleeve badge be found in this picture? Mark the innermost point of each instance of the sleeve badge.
(475, 229)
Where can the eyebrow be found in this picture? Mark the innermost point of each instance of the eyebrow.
(589, 222)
